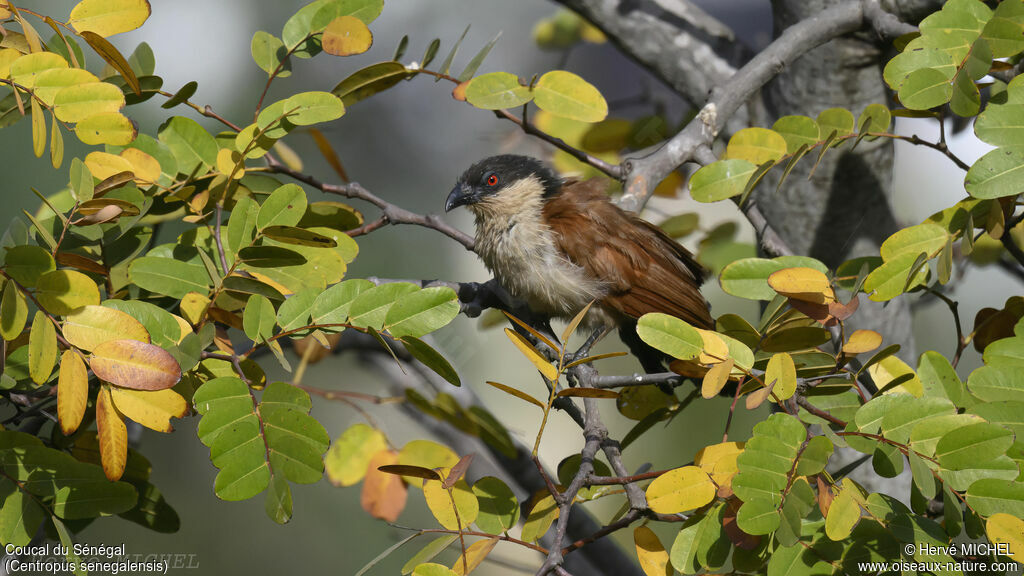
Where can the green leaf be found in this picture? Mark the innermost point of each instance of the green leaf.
(332, 305)
(748, 278)
(922, 474)
(904, 416)
(839, 120)
(432, 359)
(1002, 31)
(477, 59)
(874, 118)
(369, 81)
(567, 95)
(193, 147)
(767, 459)
(419, 313)
(278, 502)
(815, 456)
(241, 224)
(995, 383)
(240, 446)
(296, 310)
(925, 88)
(284, 207)
(996, 174)
(939, 378)
(670, 335)
(756, 145)
(298, 236)
(268, 51)
(497, 91)
(370, 308)
(182, 95)
(259, 318)
(168, 276)
(721, 180)
(891, 278)
(499, 509)
(429, 552)
(962, 448)
(313, 108)
(797, 131)
(27, 263)
(927, 237)
(989, 496)
(759, 516)
(81, 180)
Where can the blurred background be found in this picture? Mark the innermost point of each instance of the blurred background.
(408, 145)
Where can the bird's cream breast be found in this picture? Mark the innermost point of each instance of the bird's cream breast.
(516, 245)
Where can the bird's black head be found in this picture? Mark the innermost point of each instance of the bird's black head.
(491, 176)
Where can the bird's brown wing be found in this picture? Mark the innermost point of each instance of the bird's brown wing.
(645, 269)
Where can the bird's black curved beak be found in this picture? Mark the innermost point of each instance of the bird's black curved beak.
(461, 195)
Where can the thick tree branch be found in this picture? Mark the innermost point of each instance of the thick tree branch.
(644, 173)
(674, 39)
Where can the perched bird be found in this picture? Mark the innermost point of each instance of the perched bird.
(559, 244)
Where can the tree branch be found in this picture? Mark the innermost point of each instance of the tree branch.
(391, 213)
(644, 173)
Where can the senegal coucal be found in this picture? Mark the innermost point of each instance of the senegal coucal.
(559, 244)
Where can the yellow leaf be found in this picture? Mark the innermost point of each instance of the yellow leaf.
(290, 157)
(546, 368)
(719, 461)
(134, 364)
(432, 569)
(230, 163)
(145, 167)
(284, 290)
(193, 307)
(103, 165)
(346, 35)
(106, 128)
(383, 494)
(650, 552)
(716, 378)
(72, 391)
(543, 511)
(42, 348)
(62, 291)
(89, 326)
(1006, 529)
(350, 454)
(670, 185)
(715, 349)
(890, 368)
(38, 129)
(426, 454)
(79, 101)
(475, 554)
(152, 409)
(113, 435)
(805, 284)
(109, 17)
(757, 397)
(440, 502)
(7, 57)
(185, 327)
(862, 341)
(782, 371)
(679, 490)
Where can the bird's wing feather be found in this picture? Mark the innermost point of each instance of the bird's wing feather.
(645, 270)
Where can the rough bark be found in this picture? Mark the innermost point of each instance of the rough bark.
(843, 210)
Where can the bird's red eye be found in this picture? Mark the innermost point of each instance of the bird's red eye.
(492, 180)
